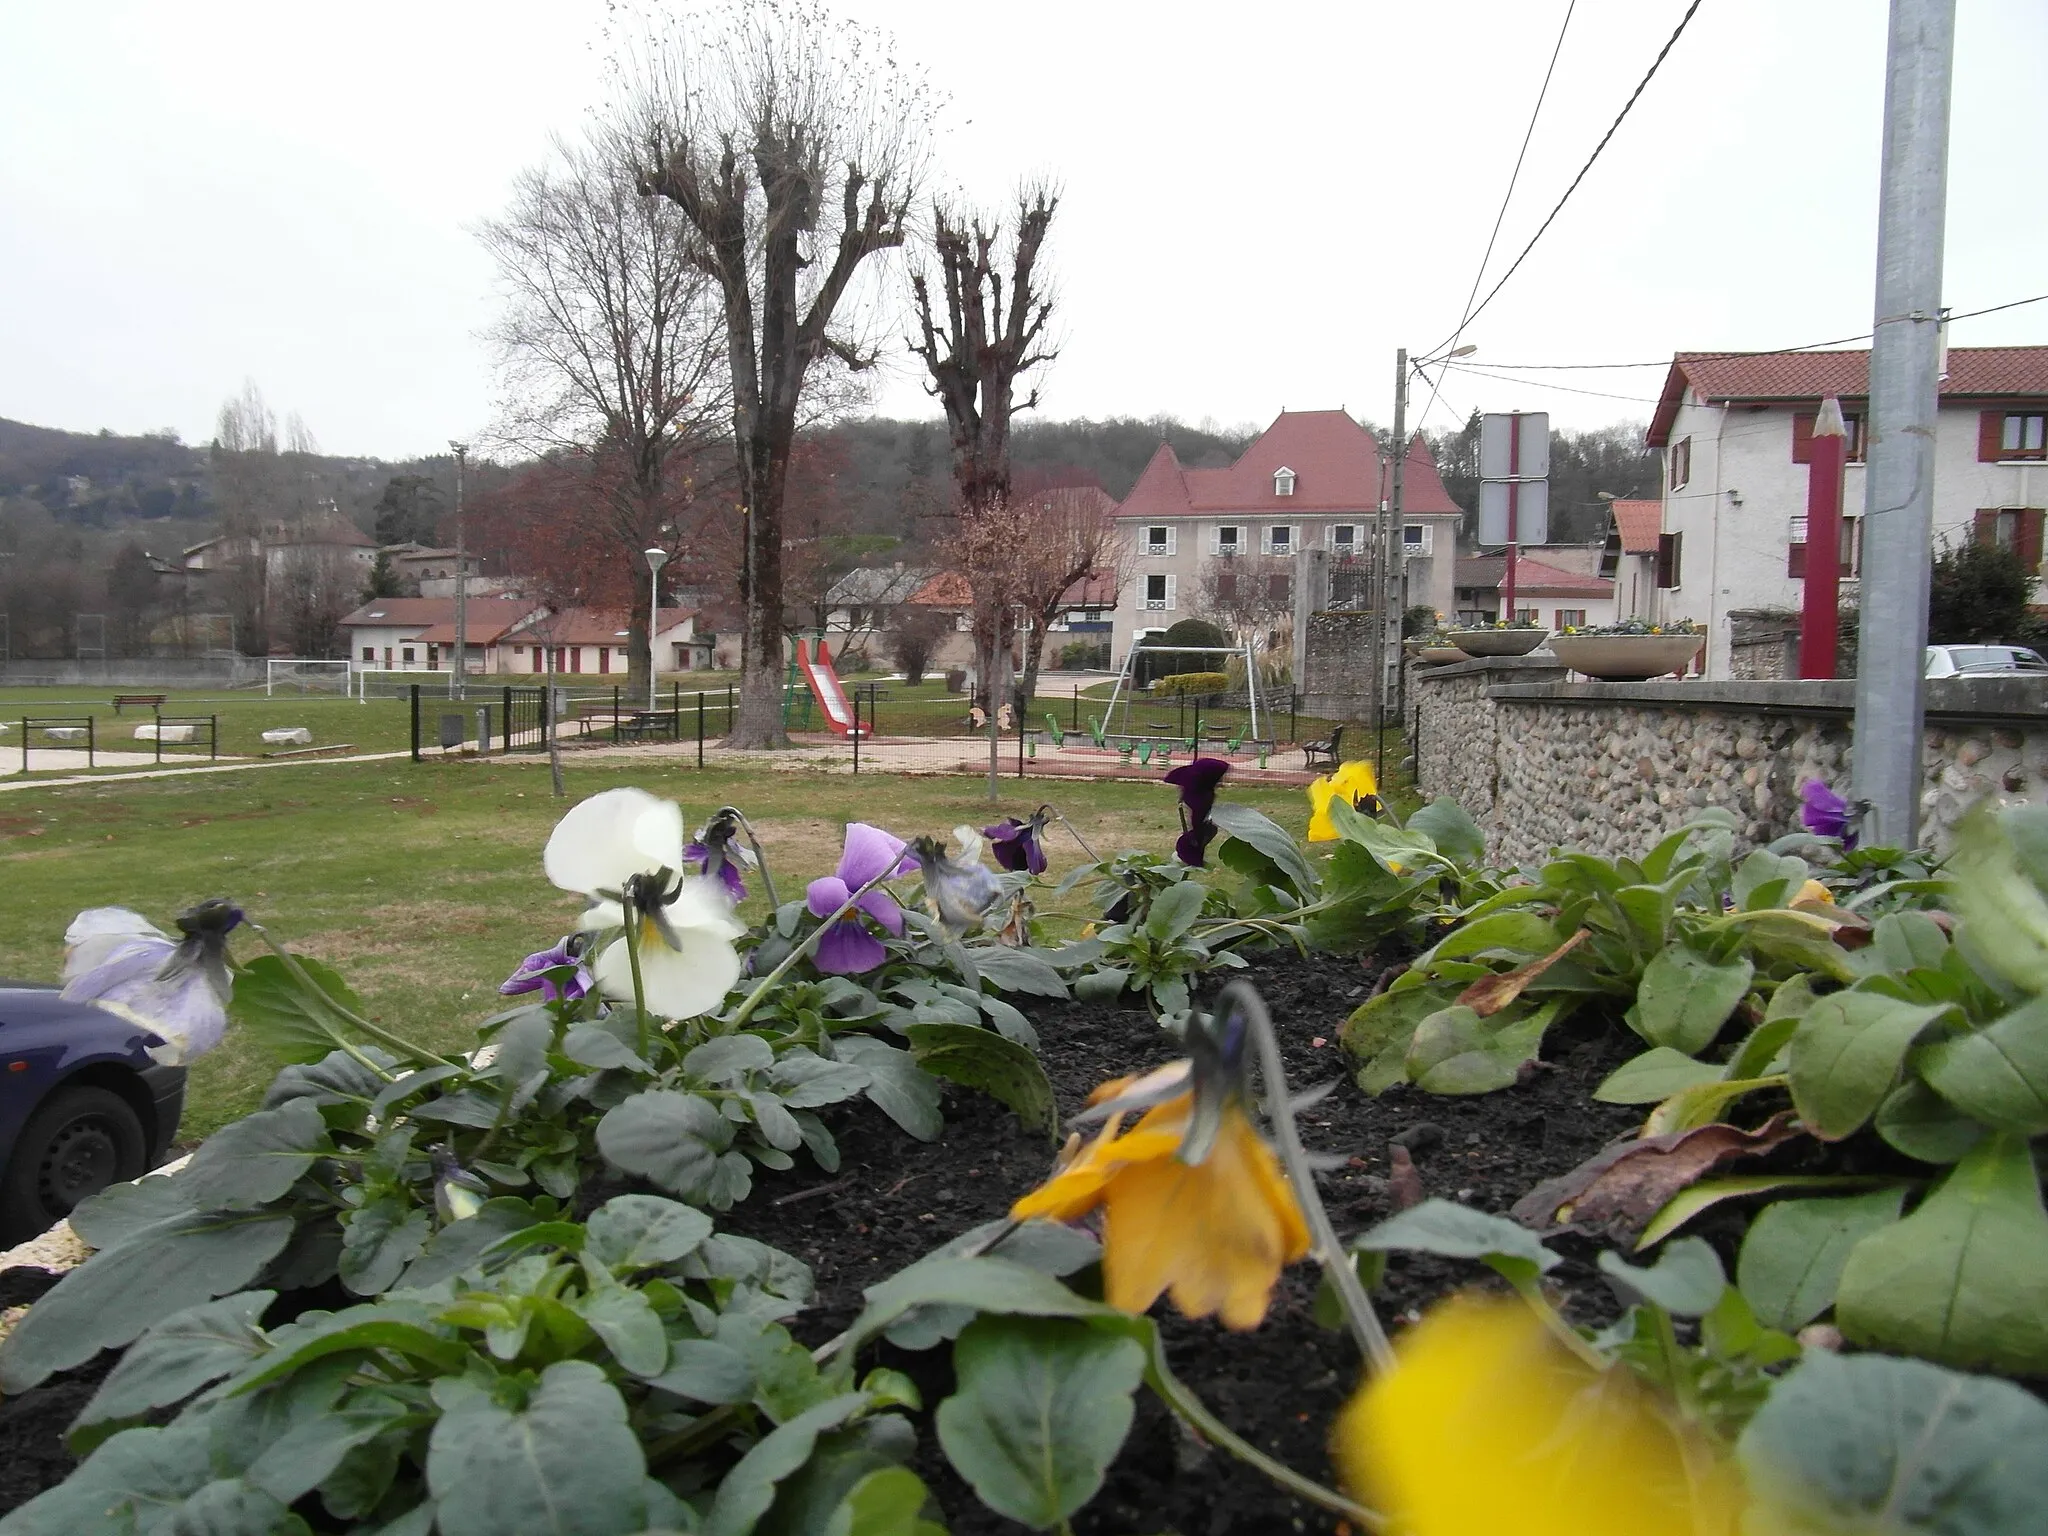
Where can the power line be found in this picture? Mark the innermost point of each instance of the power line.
(1506, 378)
(1627, 106)
(1507, 197)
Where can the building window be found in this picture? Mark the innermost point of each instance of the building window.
(1159, 592)
(1279, 587)
(1283, 481)
(1229, 539)
(1802, 435)
(1681, 463)
(406, 655)
(1226, 586)
(1526, 616)
(1415, 538)
(2012, 435)
(1160, 539)
(1670, 553)
(2015, 528)
(1570, 618)
(1280, 539)
(1848, 561)
(1344, 538)
(369, 653)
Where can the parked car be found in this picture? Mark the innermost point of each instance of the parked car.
(1982, 660)
(81, 1106)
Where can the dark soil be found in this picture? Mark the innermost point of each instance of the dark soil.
(1281, 1386)
(893, 1199)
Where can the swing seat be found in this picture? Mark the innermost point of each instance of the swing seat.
(1052, 725)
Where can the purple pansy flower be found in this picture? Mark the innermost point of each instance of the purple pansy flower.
(1196, 780)
(1826, 813)
(848, 949)
(177, 989)
(716, 855)
(1019, 845)
(533, 975)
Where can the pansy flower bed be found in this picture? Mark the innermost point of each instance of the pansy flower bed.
(1343, 1185)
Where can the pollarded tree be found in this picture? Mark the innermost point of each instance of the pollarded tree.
(793, 144)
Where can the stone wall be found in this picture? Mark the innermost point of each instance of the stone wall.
(1333, 664)
(1612, 767)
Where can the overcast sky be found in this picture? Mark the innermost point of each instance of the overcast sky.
(1260, 203)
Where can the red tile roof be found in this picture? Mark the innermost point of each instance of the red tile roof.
(402, 612)
(1532, 578)
(590, 626)
(1639, 523)
(1974, 373)
(1338, 467)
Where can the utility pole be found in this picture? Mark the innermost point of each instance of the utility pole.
(1390, 517)
(1905, 363)
(458, 679)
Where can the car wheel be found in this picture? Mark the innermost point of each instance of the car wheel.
(78, 1141)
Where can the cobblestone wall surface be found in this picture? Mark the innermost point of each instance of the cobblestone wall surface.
(1612, 767)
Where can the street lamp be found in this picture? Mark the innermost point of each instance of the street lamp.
(656, 559)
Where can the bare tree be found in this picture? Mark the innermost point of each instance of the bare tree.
(248, 485)
(914, 633)
(1251, 596)
(793, 145)
(610, 349)
(1068, 536)
(313, 587)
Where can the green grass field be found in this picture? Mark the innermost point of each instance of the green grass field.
(422, 883)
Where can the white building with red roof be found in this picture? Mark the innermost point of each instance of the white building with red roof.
(1736, 430)
(1313, 480)
(1635, 531)
(1546, 593)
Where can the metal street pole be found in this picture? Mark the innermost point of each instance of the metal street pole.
(656, 559)
(458, 679)
(1390, 516)
(1905, 362)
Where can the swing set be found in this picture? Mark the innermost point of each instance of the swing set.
(1128, 741)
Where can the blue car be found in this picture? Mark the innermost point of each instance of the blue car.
(81, 1106)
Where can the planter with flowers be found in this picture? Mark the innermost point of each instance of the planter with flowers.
(1631, 652)
(1433, 647)
(1504, 637)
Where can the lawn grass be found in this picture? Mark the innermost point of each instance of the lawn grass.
(422, 882)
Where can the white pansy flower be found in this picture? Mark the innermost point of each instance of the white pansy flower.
(623, 850)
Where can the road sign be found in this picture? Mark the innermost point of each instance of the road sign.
(1498, 442)
(1532, 511)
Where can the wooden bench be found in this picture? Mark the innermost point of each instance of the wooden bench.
(146, 700)
(1323, 754)
(650, 725)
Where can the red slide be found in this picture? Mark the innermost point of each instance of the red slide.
(825, 686)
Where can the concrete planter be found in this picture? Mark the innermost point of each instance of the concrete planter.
(1626, 658)
(1497, 642)
(1437, 655)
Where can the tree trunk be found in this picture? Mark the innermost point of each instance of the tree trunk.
(759, 722)
(1034, 658)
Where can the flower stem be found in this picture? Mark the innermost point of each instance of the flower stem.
(1072, 832)
(639, 988)
(1328, 1251)
(760, 855)
(754, 998)
(380, 1035)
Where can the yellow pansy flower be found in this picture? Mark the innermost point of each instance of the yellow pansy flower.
(1353, 783)
(1214, 1233)
(1488, 1425)
(1813, 894)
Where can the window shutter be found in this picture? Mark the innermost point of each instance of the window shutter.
(1990, 430)
(2030, 539)
(1226, 586)
(1795, 560)
(1987, 525)
(1668, 559)
(1802, 436)
(1172, 539)
(1172, 582)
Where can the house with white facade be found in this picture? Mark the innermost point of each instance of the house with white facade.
(1628, 558)
(417, 634)
(1736, 433)
(1312, 480)
(1546, 592)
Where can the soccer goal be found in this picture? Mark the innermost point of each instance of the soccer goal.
(294, 674)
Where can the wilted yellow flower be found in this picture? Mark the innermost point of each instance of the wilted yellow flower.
(1353, 783)
(1214, 1233)
(1813, 894)
(1488, 1426)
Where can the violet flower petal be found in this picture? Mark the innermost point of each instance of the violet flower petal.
(869, 852)
(847, 949)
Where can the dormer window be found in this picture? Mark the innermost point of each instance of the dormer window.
(1283, 481)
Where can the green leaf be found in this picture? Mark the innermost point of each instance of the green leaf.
(256, 1159)
(901, 1089)
(1964, 1279)
(806, 1080)
(638, 1231)
(1922, 1124)
(1793, 1253)
(2004, 913)
(461, 1245)
(592, 1045)
(748, 1489)
(669, 1137)
(981, 1058)
(1381, 1029)
(1867, 1443)
(727, 1058)
(1654, 1076)
(1909, 941)
(336, 1078)
(1105, 985)
(706, 1371)
(1024, 971)
(1454, 1231)
(626, 1321)
(1766, 1043)
(118, 1292)
(1267, 835)
(1042, 1409)
(180, 1355)
(381, 1238)
(889, 1501)
(1846, 1055)
(285, 1016)
(1686, 1280)
(1455, 1051)
(399, 1327)
(1999, 1074)
(1516, 931)
(1050, 1247)
(118, 1212)
(307, 1454)
(1708, 1193)
(1450, 826)
(982, 1284)
(566, 1463)
(1685, 998)
(129, 1483)
(1174, 910)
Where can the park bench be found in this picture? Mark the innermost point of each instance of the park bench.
(650, 725)
(145, 700)
(1323, 754)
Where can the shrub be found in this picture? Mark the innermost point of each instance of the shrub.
(1084, 656)
(1184, 683)
(914, 633)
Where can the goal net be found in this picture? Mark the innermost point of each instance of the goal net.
(304, 675)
